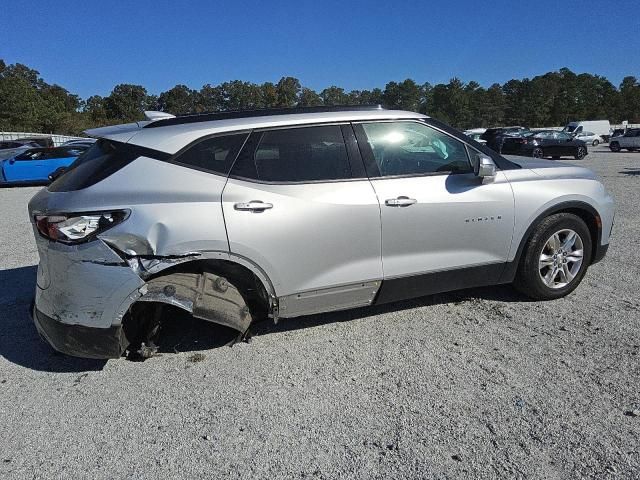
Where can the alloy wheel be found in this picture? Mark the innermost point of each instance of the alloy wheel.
(537, 153)
(561, 259)
(581, 153)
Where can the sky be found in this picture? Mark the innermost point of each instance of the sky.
(90, 46)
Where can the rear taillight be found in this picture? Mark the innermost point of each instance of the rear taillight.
(77, 227)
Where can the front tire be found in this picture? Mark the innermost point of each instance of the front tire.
(555, 258)
(581, 153)
(537, 153)
(614, 147)
(596, 143)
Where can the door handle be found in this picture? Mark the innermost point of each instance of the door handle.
(401, 201)
(253, 206)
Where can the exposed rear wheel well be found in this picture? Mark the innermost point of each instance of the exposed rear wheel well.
(142, 322)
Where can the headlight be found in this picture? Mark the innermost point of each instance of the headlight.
(77, 227)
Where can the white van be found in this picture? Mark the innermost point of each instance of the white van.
(599, 127)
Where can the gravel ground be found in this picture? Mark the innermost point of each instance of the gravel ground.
(472, 384)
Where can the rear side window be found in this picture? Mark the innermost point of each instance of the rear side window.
(214, 154)
(104, 158)
(295, 155)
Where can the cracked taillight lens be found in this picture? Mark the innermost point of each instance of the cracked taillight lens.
(77, 228)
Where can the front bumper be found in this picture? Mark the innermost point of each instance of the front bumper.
(81, 341)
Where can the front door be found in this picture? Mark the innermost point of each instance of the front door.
(437, 216)
(299, 206)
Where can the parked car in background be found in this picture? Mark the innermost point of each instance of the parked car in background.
(87, 142)
(618, 132)
(545, 143)
(599, 127)
(630, 141)
(237, 217)
(11, 148)
(33, 166)
(476, 133)
(589, 138)
(495, 136)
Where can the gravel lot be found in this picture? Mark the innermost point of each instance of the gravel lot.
(472, 384)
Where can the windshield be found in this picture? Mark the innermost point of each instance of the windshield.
(569, 128)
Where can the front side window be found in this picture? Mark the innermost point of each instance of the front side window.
(410, 148)
(215, 154)
(563, 136)
(295, 155)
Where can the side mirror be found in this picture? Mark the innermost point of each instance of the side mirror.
(56, 173)
(483, 166)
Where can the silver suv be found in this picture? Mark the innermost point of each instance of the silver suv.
(241, 216)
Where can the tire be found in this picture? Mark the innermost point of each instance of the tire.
(614, 146)
(595, 143)
(581, 153)
(537, 153)
(538, 259)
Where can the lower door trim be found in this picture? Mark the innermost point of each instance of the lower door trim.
(404, 288)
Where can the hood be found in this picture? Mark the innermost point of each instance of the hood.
(552, 168)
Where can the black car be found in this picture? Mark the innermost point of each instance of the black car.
(495, 136)
(545, 143)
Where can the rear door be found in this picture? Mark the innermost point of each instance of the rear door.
(298, 204)
(437, 216)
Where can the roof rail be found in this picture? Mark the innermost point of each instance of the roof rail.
(262, 112)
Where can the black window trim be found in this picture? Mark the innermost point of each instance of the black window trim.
(172, 157)
(253, 141)
(372, 166)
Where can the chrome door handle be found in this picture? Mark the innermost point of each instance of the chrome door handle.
(401, 201)
(253, 206)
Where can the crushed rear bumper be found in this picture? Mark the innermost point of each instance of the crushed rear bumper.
(79, 340)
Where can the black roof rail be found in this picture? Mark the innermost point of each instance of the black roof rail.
(262, 112)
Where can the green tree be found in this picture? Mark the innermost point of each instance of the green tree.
(309, 98)
(405, 95)
(179, 100)
(334, 96)
(127, 103)
(287, 91)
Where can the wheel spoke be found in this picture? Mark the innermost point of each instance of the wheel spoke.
(566, 273)
(554, 243)
(545, 261)
(550, 276)
(575, 256)
(570, 241)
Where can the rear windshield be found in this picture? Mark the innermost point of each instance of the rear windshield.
(102, 159)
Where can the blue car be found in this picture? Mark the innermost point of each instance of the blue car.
(34, 166)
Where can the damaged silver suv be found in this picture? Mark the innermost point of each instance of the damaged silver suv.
(241, 216)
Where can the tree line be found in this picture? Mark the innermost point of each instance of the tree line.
(28, 103)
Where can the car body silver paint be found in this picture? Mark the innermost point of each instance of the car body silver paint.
(543, 184)
(319, 248)
(436, 233)
(84, 284)
(316, 236)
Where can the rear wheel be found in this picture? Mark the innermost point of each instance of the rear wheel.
(614, 146)
(596, 143)
(555, 258)
(537, 152)
(581, 153)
